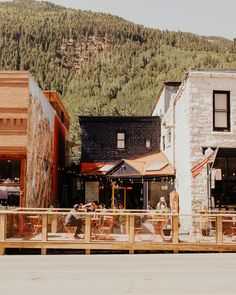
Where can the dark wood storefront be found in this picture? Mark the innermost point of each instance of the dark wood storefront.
(224, 186)
(12, 178)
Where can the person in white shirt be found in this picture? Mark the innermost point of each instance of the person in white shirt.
(162, 205)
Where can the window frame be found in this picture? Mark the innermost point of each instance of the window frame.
(222, 129)
(120, 140)
(163, 143)
(148, 143)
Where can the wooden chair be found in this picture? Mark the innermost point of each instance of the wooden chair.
(227, 225)
(70, 231)
(106, 227)
(138, 227)
(21, 225)
(37, 226)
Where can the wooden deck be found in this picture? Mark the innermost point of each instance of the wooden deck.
(43, 229)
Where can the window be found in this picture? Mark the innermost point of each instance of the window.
(221, 111)
(10, 171)
(148, 143)
(163, 143)
(169, 137)
(120, 140)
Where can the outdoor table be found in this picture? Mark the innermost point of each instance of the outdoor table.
(158, 224)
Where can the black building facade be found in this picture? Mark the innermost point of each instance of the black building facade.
(110, 139)
(105, 141)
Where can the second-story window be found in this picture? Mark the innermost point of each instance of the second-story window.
(169, 137)
(120, 140)
(163, 143)
(148, 143)
(221, 110)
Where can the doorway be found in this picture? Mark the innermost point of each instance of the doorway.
(131, 196)
(118, 195)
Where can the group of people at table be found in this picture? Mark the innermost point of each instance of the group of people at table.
(73, 219)
(76, 220)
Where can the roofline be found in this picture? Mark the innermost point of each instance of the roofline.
(142, 176)
(166, 83)
(213, 70)
(119, 163)
(58, 100)
(117, 118)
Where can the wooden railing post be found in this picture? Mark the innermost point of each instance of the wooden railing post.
(44, 227)
(219, 230)
(127, 224)
(44, 232)
(87, 231)
(175, 229)
(54, 223)
(3, 230)
(131, 232)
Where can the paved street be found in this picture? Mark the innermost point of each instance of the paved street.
(203, 274)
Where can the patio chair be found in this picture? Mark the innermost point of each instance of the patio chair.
(227, 225)
(37, 226)
(20, 225)
(105, 228)
(70, 231)
(138, 227)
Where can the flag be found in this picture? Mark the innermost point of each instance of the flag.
(208, 160)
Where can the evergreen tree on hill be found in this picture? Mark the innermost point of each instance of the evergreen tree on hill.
(99, 63)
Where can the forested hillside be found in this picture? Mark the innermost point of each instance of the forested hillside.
(99, 63)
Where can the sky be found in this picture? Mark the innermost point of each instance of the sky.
(203, 17)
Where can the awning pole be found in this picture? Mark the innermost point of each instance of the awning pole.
(113, 198)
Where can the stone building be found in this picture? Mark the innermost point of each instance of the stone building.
(201, 114)
(33, 132)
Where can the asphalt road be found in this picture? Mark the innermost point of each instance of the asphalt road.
(173, 274)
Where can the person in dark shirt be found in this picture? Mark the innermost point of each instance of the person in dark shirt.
(74, 219)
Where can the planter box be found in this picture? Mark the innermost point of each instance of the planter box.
(166, 231)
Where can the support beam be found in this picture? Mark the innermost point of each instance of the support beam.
(3, 226)
(175, 229)
(54, 223)
(145, 195)
(87, 229)
(219, 230)
(43, 251)
(131, 229)
(45, 228)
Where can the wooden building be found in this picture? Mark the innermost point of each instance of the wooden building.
(32, 124)
(112, 144)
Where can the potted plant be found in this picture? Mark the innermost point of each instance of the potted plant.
(167, 231)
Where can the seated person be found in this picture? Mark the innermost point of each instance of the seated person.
(162, 205)
(73, 219)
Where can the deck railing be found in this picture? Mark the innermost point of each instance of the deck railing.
(128, 230)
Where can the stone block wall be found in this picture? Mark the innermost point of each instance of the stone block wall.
(201, 86)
